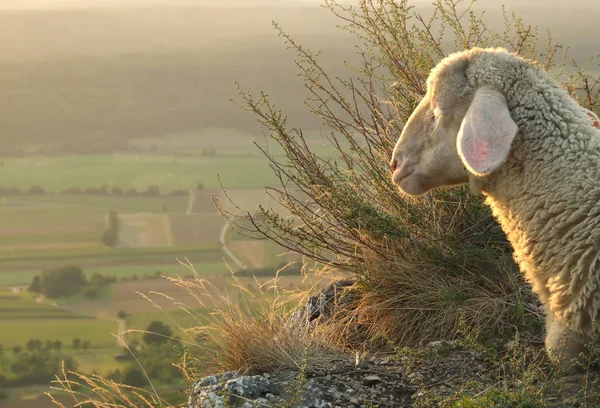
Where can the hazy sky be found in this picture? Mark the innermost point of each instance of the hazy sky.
(58, 4)
(46, 4)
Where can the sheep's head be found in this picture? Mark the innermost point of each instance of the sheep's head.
(454, 132)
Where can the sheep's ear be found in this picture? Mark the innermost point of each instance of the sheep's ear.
(594, 118)
(486, 132)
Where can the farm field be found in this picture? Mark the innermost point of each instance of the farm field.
(52, 230)
(120, 263)
(164, 204)
(168, 172)
(22, 319)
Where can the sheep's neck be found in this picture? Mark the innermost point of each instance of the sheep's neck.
(549, 209)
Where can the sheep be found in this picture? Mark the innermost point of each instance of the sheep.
(501, 124)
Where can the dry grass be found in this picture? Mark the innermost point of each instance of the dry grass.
(250, 330)
(246, 330)
(99, 392)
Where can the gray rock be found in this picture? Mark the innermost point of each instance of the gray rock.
(371, 380)
(251, 387)
(324, 303)
(316, 396)
(255, 391)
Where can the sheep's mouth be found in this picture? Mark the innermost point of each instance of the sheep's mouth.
(401, 174)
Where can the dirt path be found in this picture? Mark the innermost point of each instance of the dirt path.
(226, 248)
(121, 336)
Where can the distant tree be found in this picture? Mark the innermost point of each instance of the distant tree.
(85, 345)
(62, 282)
(199, 186)
(35, 286)
(35, 190)
(152, 191)
(17, 349)
(31, 345)
(158, 333)
(131, 192)
(49, 344)
(121, 314)
(77, 343)
(134, 377)
(57, 345)
(111, 235)
(92, 191)
(72, 190)
(117, 191)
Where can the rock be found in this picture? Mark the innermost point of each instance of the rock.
(324, 303)
(371, 380)
(252, 387)
(256, 390)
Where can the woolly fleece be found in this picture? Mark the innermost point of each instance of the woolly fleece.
(546, 194)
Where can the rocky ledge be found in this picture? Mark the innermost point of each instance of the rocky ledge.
(382, 381)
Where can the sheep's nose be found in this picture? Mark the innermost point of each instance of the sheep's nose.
(394, 164)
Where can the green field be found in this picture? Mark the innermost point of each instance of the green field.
(52, 230)
(98, 332)
(22, 319)
(19, 213)
(104, 253)
(178, 320)
(94, 203)
(45, 238)
(168, 172)
(23, 306)
(165, 261)
(174, 269)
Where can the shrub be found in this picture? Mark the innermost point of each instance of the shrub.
(425, 265)
(134, 377)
